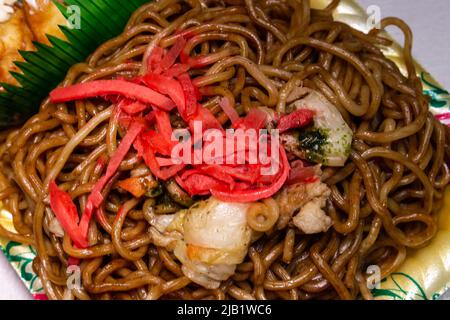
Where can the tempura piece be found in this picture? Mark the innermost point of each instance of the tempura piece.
(14, 35)
(43, 17)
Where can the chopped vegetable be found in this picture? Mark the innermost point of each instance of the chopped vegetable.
(155, 58)
(190, 95)
(229, 110)
(295, 120)
(165, 162)
(203, 244)
(245, 173)
(138, 186)
(111, 87)
(145, 150)
(301, 173)
(168, 86)
(201, 184)
(254, 194)
(157, 142)
(163, 124)
(240, 183)
(71, 261)
(176, 70)
(255, 119)
(331, 125)
(207, 118)
(95, 198)
(215, 172)
(171, 56)
(133, 107)
(237, 183)
(67, 214)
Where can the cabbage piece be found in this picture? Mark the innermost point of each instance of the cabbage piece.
(209, 239)
(329, 142)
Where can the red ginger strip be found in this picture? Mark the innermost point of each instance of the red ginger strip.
(111, 87)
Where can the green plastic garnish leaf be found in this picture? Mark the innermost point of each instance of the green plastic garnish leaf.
(46, 67)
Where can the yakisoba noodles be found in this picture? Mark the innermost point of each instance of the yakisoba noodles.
(367, 172)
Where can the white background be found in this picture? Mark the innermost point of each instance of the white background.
(430, 22)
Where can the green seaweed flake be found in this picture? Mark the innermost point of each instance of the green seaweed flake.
(313, 142)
